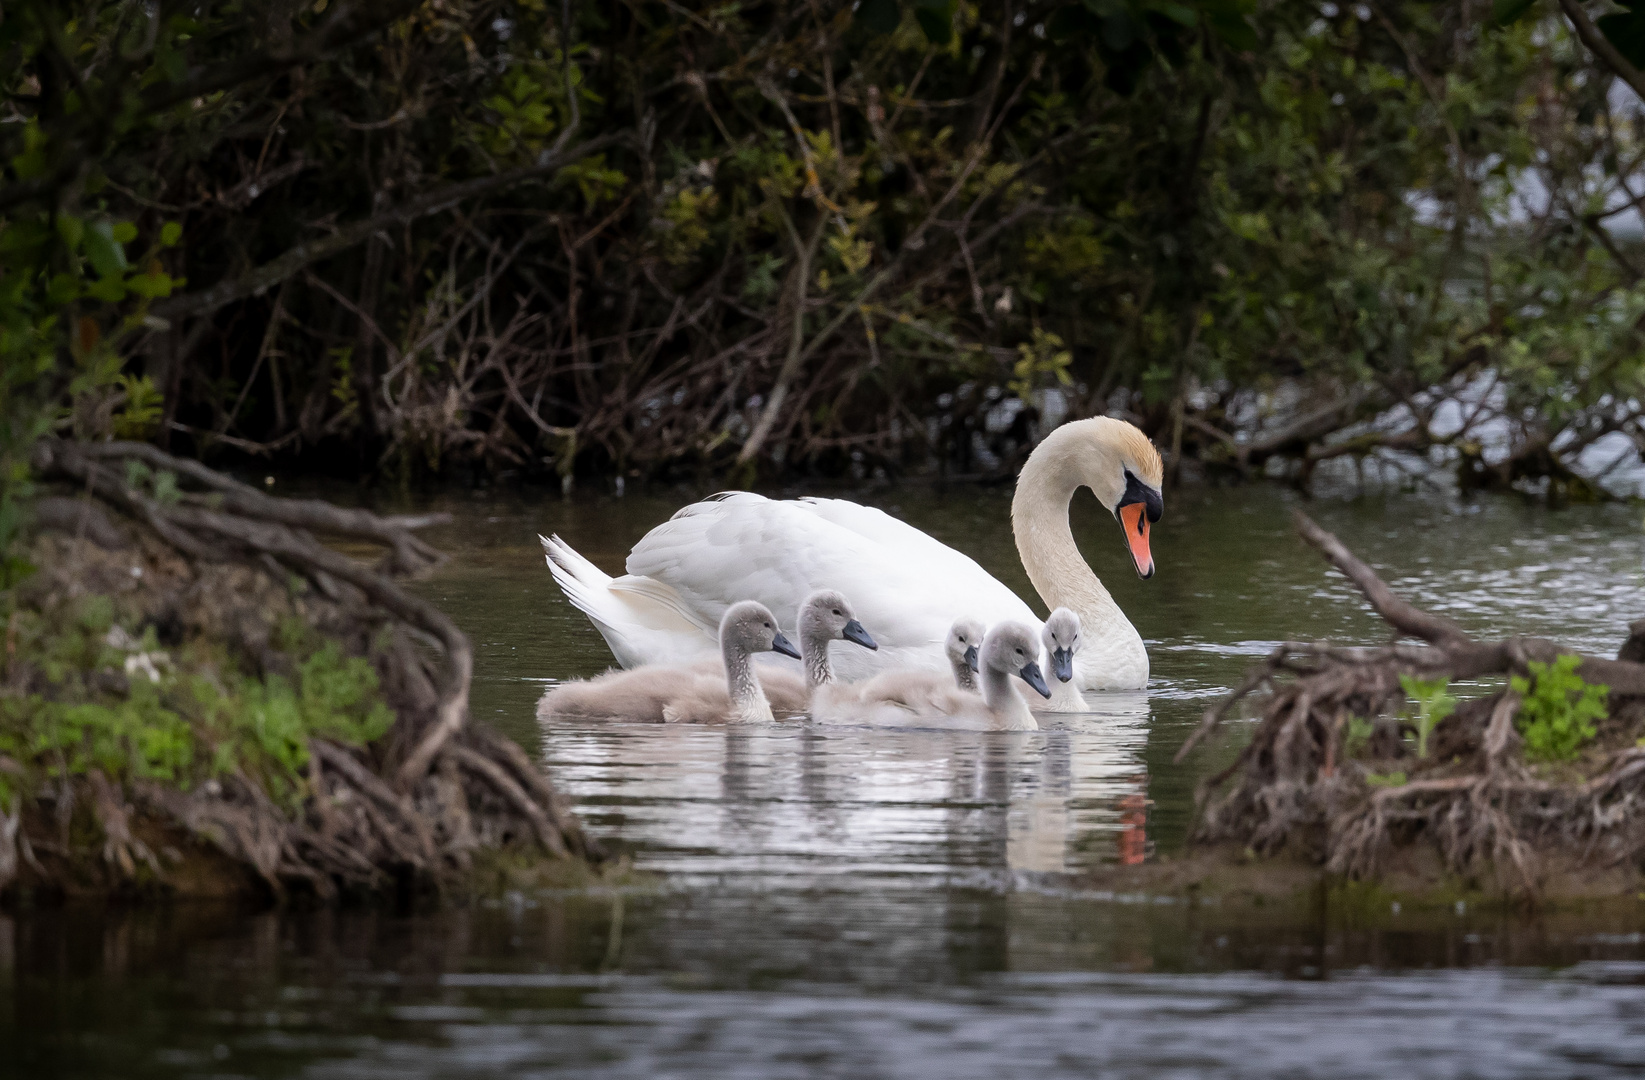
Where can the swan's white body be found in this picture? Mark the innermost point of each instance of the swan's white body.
(907, 587)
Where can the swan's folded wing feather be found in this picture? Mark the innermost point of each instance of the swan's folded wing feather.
(910, 543)
(742, 546)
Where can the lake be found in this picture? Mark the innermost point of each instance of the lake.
(855, 903)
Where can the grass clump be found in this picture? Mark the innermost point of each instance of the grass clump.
(1558, 709)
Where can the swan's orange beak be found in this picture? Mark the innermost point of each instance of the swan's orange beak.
(1134, 521)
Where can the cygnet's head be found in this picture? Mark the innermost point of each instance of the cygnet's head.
(752, 628)
(825, 615)
(1061, 634)
(1014, 649)
(964, 641)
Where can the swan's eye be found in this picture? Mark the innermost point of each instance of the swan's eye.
(836, 611)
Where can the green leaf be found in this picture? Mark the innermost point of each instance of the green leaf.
(107, 257)
(1233, 30)
(878, 16)
(110, 290)
(1506, 12)
(71, 229)
(1626, 30)
(170, 233)
(124, 232)
(936, 19)
(152, 285)
(64, 288)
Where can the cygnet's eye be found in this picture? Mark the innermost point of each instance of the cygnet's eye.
(836, 611)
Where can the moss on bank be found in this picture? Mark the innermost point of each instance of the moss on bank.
(233, 707)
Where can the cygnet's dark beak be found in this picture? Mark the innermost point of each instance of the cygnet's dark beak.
(971, 658)
(784, 646)
(1031, 675)
(854, 632)
(1062, 664)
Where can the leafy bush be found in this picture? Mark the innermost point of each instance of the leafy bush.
(1559, 708)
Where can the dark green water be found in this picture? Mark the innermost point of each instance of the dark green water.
(847, 903)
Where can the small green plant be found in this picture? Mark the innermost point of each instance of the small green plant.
(110, 699)
(1393, 779)
(1559, 707)
(1358, 737)
(1433, 705)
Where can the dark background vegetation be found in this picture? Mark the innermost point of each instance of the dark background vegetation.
(394, 239)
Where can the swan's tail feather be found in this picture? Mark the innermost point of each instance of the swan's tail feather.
(580, 580)
(642, 621)
(589, 590)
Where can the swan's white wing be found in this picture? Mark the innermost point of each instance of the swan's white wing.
(642, 622)
(897, 535)
(742, 546)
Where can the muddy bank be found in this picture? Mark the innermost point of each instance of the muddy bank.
(1514, 768)
(1413, 879)
(200, 698)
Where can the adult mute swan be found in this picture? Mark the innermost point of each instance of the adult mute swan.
(682, 694)
(910, 588)
(907, 699)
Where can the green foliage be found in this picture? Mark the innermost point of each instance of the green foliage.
(1173, 208)
(1044, 359)
(1558, 709)
(1433, 706)
(1393, 779)
(121, 704)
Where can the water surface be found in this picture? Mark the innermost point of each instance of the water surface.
(834, 902)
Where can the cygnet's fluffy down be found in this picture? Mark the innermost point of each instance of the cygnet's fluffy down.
(1010, 651)
(682, 694)
(1063, 638)
(913, 687)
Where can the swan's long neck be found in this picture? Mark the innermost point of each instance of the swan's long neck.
(748, 704)
(964, 677)
(1045, 542)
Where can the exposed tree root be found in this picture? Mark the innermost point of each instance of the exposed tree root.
(415, 805)
(1473, 796)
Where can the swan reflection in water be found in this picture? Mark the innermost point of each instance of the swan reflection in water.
(801, 799)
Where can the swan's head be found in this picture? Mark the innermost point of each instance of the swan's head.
(1061, 635)
(751, 628)
(1121, 467)
(964, 641)
(1013, 649)
(825, 615)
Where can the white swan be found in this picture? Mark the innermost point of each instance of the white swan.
(909, 587)
(908, 699)
(682, 694)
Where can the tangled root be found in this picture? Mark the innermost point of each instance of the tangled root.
(1473, 797)
(416, 804)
